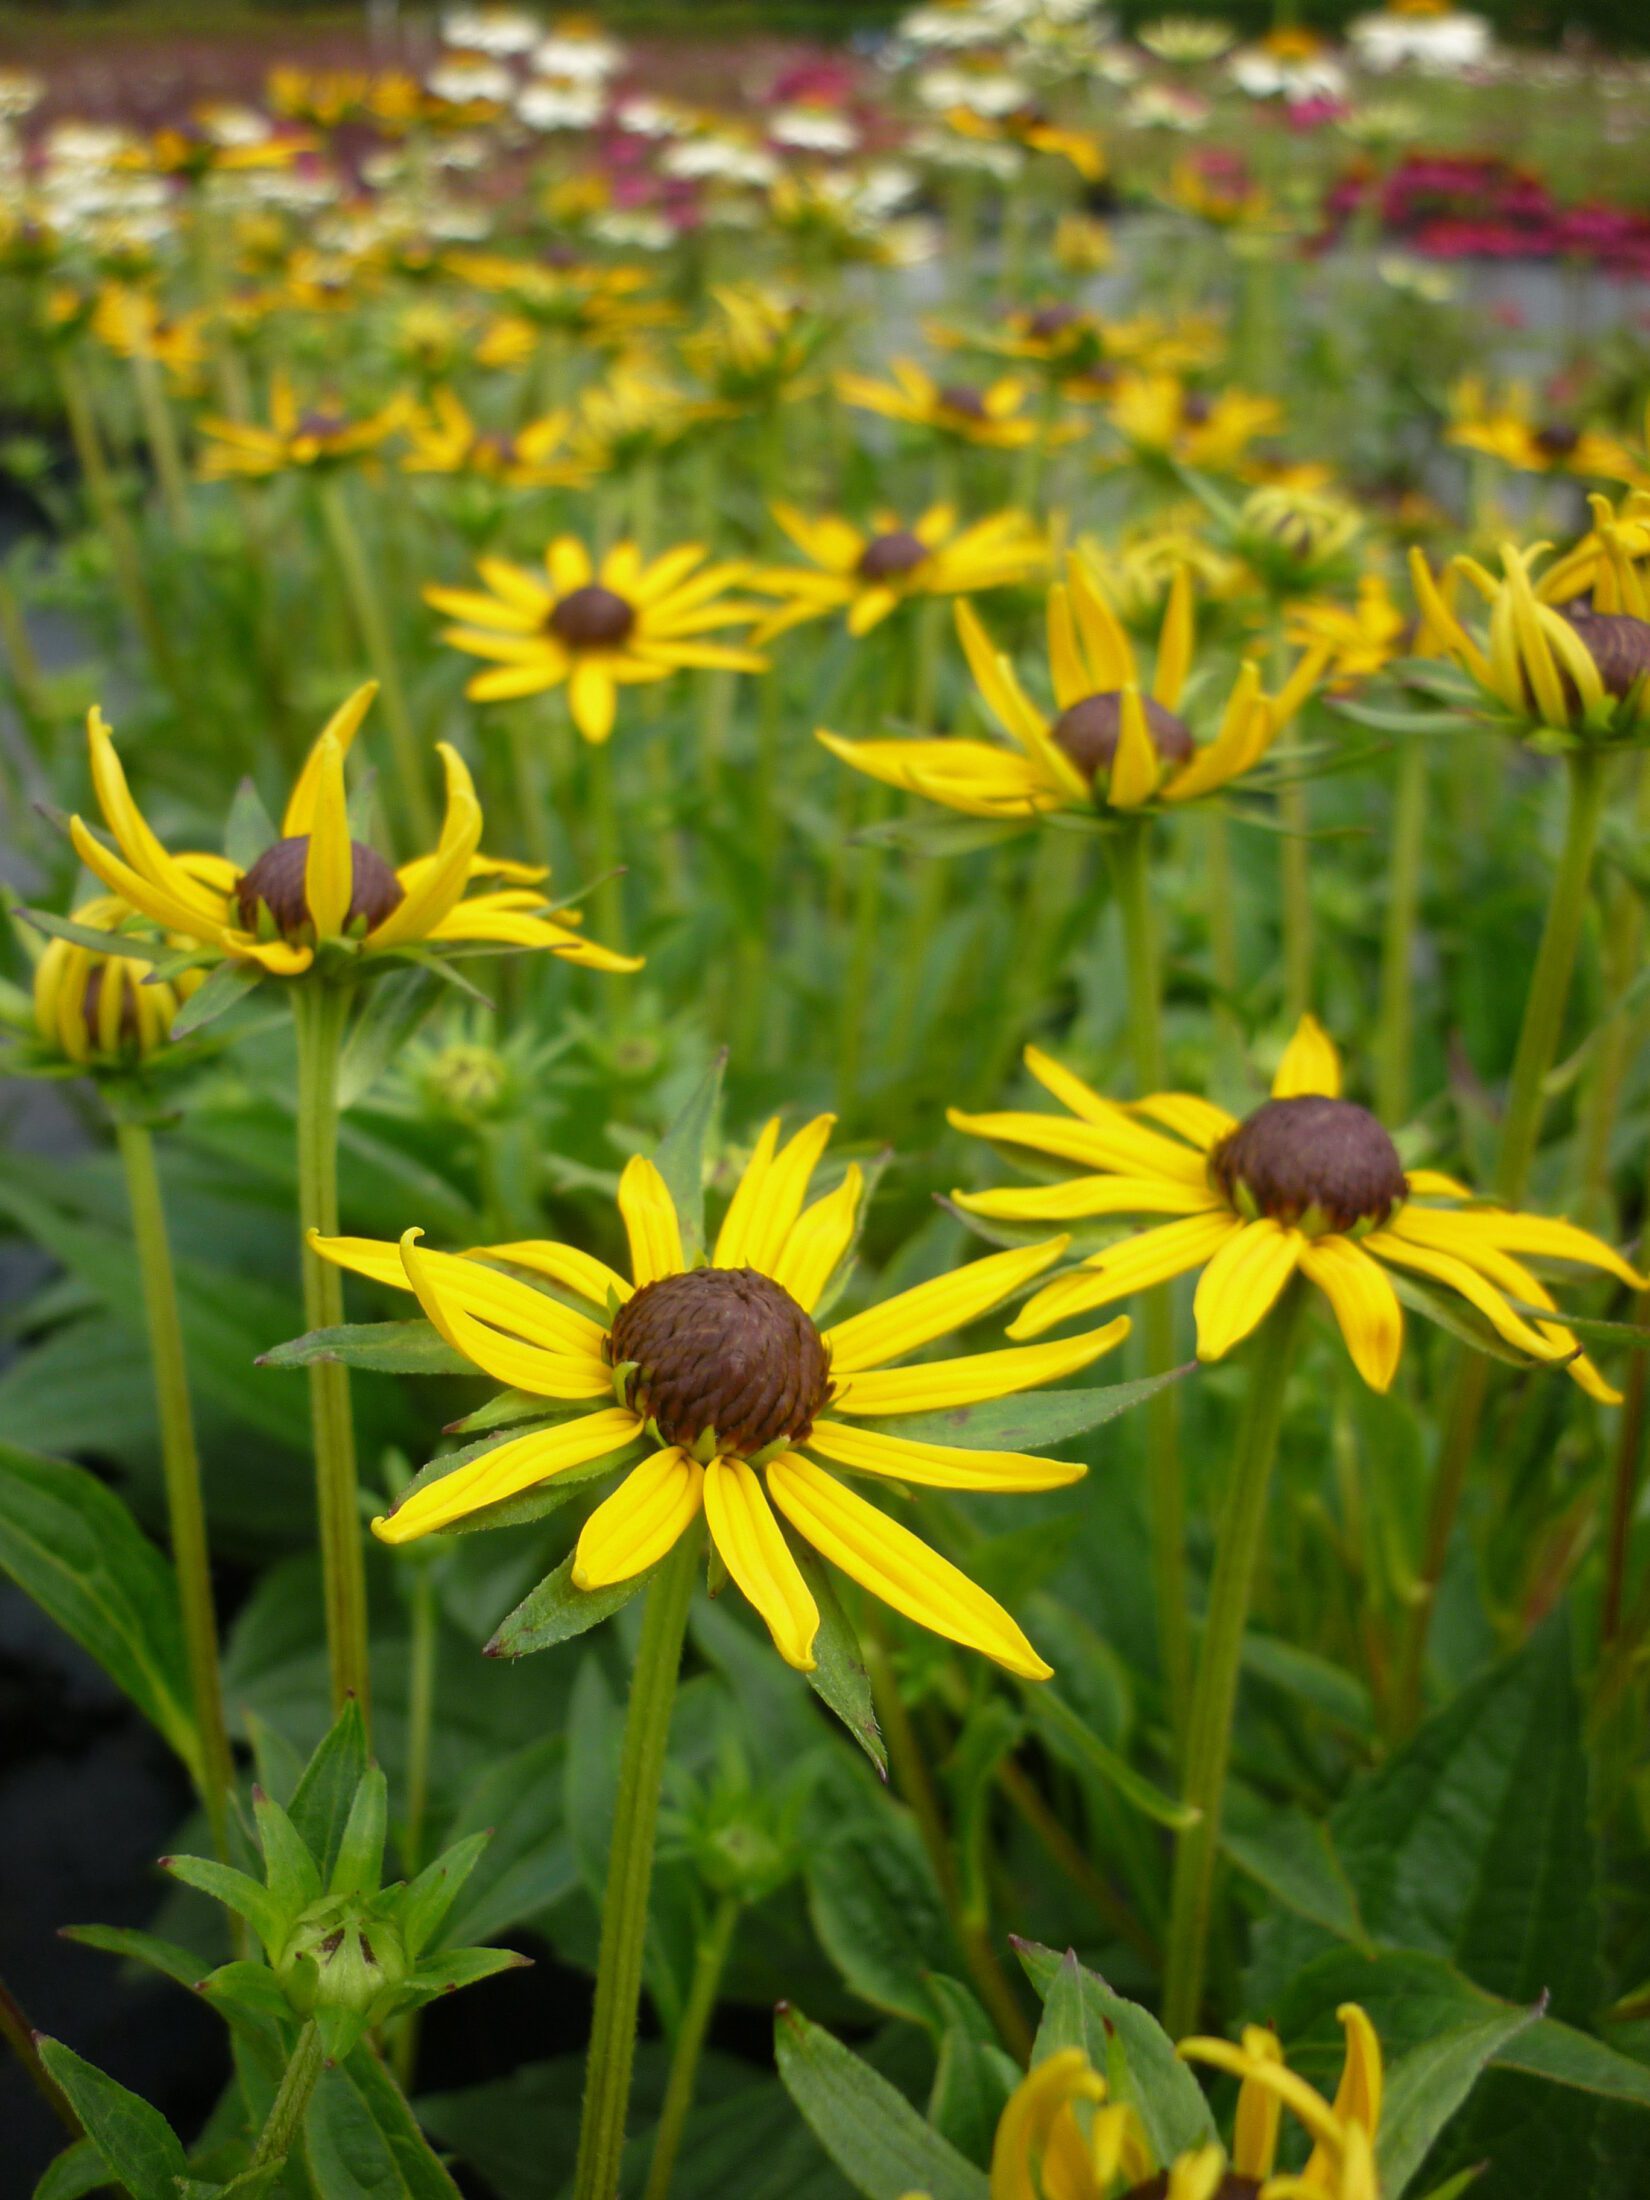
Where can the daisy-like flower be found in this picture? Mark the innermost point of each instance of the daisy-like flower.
(633, 415)
(720, 1378)
(445, 440)
(103, 1009)
(994, 416)
(1361, 637)
(1612, 560)
(1573, 670)
(1112, 745)
(317, 892)
(1045, 2149)
(1162, 422)
(321, 435)
(1028, 127)
(1309, 1183)
(1512, 429)
(596, 628)
(758, 349)
(131, 323)
(869, 574)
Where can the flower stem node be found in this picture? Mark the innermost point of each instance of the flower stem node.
(276, 883)
(1318, 1165)
(723, 1351)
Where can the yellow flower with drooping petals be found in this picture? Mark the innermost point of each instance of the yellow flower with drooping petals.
(1309, 1184)
(715, 1380)
(1161, 421)
(869, 573)
(1361, 637)
(446, 440)
(1512, 428)
(103, 1009)
(298, 438)
(994, 416)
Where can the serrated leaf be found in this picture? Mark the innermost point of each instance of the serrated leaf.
(323, 1798)
(871, 2132)
(388, 1348)
(680, 1158)
(1125, 2043)
(219, 992)
(141, 2149)
(839, 1678)
(556, 1611)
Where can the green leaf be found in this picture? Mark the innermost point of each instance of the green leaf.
(362, 2140)
(139, 2146)
(70, 1544)
(134, 947)
(290, 1871)
(323, 1798)
(395, 1007)
(236, 1890)
(182, 1965)
(230, 983)
(1125, 2043)
(1292, 1855)
(1558, 2051)
(1073, 1737)
(359, 1864)
(839, 1678)
(388, 1348)
(925, 834)
(432, 1894)
(445, 1974)
(249, 831)
(1626, 1336)
(1458, 1318)
(680, 1157)
(555, 1612)
(873, 2134)
(876, 1909)
(78, 2170)
(1425, 2088)
(1030, 1421)
(503, 1411)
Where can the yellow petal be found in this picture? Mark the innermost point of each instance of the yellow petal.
(1135, 765)
(1155, 1256)
(934, 1309)
(521, 1366)
(329, 863)
(940, 1383)
(140, 893)
(579, 1272)
(753, 1548)
(341, 727)
(1110, 656)
(1085, 1196)
(1399, 1244)
(1259, 2111)
(1365, 1304)
(438, 884)
(1516, 1233)
(1174, 642)
(650, 1221)
(1310, 1064)
(1246, 729)
(1118, 1144)
(506, 1471)
(769, 1196)
(1241, 1284)
(938, 1466)
(1072, 682)
(818, 1241)
(593, 700)
(643, 1519)
(137, 844)
(1039, 2104)
(896, 1566)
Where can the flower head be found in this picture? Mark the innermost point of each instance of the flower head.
(1113, 744)
(1513, 429)
(445, 440)
(1309, 1183)
(719, 1382)
(103, 1010)
(1361, 636)
(994, 415)
(323, 434)
(1162, 421)
(316, 892)
(870, 572)
(596, 628)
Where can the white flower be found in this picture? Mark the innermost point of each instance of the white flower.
(719, 159)
(813, 130)
(463, 78)
(652, 118)
(1438, 45)
(1264, 76)
(633, 230)
(1165, 107)
(1118, 65)
(1186, 38)
(561, 106)
(457, 223)
(20, 91)
(585, 56)
(1417, 278)
(991, 93)
(496, 31)
(948, 28)
(967, 156)
(84, 144)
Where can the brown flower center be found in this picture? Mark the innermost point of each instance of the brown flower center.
(321, 427)
(886, 557)
(961, 397)
(1556, 439)
(1051, 321)
(1314, 1163)
(592, 618)
(1089, 731)
(725, 1350)
(277, 881)
(1618, 644)
(1195, 409)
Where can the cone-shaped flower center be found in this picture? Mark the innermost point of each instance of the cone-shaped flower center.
(1088, 732)
(1051, 321)
(885, 557)
(723, 1349)
(592, 618)
(322, 426)
(277, 881)
(1618, 645)
(1556, 439)
(961, 397)
(1318, 1164)
(1195, 409)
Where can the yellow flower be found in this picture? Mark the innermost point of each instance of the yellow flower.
(1161, 421)
(870, 574)
(1578, 670)
(131, 323)
(1308, 1183)
(1224, 198)
(1510, 428)
(1113, 745)
(1293, 534)
(1361, 637)
(993, 416)
(102, 1008)
(720, 1376)
(1042, 2150)
(632, 416)
(445, 440)
(592, 304)
(1037, 134)
(1611, 559)
(1136, 570)
(1341, 2165)
(758, 349)
(596, 627)
(1082, 245)
(322, 435)
(190, 152)
(316, 889)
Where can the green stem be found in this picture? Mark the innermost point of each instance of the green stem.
(18, 2035)
(160, 432)
(527, 774)
(1214, 1698)
(630, 1876)
(1394, 1051)
(608, 901)
(1297, 901)
(285, 2121)
(1165, 1479)
(111, 517)
(421, 1667)
(355, 570)
(320, 1010)
(180, 1461)
(709, 1962)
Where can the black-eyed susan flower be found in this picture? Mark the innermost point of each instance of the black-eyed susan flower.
(1113, 744)
(632, 415)
(595, 627)
(733, 1402)
(1037, 133)
(1571, 671)
(1510, 426)
(1343, 2133)
(1293, 534)
(994, 415)
(1611, 562)
(323, 434)
(1161, 421)
(1310, 1183)
(759, 349)
(103, 1010)
(446, 440)
(870, 572)
(1361, 636)
(317, 891)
